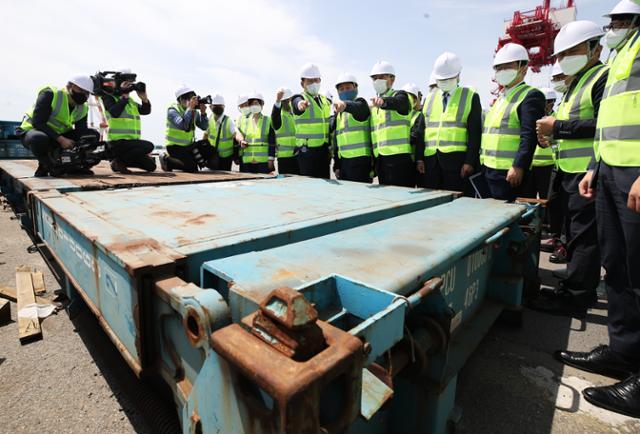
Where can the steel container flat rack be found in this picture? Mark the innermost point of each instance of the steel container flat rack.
(287, 304)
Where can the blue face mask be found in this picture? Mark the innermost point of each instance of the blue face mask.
(348, 95)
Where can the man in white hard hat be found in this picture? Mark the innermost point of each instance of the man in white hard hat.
(57, 120)
(311, 113)
(258, 151)
(123, 116)
(391, 129)
(285, 128)
(351, 132)
(615, 183)
(625, 21)
(578, 50)
(509, 137)
(221, 135)
(453, 118)
(187, 113)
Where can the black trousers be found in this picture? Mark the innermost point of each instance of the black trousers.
(254, 167)
(583, 270)
(42, 145)
(619, 237)
(224, 163)
(288, 166)
(438, 177)
(356, 169)
(181, 158)
(499, 187)
(314, 162)
(133, 153)
(537, 182)
(396, 170)
(557, 206)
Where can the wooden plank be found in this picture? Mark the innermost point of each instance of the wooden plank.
(38, 282)
(12, 295)
(5, 311)
(28, 322)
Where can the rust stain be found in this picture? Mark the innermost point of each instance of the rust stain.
(281, 274)
(200, 220)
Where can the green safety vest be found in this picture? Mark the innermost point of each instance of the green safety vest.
(352, 137)
(225, 144)
(447, 131)
(257, 137)
(286, 135)
(574, 155)
(61, 119)
(125, 126)
(175, 136)
(312, 126)
(390, 131)
(618, 130)
(501, 135)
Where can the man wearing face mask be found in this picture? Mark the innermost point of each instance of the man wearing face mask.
(57, 120)
(391, 129)
(625, 21)
(453, 117)
(284, 126)
(182, 119)
(509, 137)
(578, 49)
(258, 151)
(311, 113)
(615, 183)
(351, 132)
(221, 135)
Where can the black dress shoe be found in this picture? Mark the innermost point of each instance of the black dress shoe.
(564, 303)
(623, 397)
(550, 245)
(600, 360)
(41, 171)
(559, 255)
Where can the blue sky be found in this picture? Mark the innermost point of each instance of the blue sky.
(233, 47)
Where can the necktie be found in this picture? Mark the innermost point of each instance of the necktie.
(445, 100)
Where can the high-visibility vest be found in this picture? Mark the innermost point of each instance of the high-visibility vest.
(618, 130)
(353, 137)
(501, 135)
(127, 125)
(574, 155)
(256, 134)
(225, 144)
(286, 135)
(312, 126)
(390, 131)
(175, 136)
(447, 131)
(61, 118)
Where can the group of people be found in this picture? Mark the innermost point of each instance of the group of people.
(584, 156)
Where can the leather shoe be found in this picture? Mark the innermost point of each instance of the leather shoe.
(564, 303)
(601, 360)
(550, 245)
(559, 256)
(623, 397)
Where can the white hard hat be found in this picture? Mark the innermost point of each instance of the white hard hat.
(382, 67)
(242, 99)
(447, 65)
(432, 79)
(84, 82)
(310, 70)
(556, 70)
(182, 90)
(287, 93)
(549, 94)
(256, 95)
(328, 95)
(345, 77)
(575, 33)
(217, 100)
(411, 88)
(511, 53)
(624, 7)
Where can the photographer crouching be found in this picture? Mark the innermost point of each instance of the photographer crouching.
(182, 118)
(123, 116)
(57, 121)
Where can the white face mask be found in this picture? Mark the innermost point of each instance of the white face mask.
(245, 110)
(447, 85)
(256, 108)
(571, 65)
(313, 88)
(559, 86)
(506, 76)
(615, 37)
(380, 86)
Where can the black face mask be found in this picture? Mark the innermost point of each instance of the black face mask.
(79, 97)
(217, 110)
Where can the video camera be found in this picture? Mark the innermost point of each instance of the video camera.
(108, 83)
(87, 152)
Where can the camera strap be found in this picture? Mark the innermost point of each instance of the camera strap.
(222, 125)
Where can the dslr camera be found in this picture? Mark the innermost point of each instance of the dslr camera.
(205, 99)
(109, 83)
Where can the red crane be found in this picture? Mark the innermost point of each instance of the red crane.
(537, 29)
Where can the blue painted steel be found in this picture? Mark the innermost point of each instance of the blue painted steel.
(10, 146)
